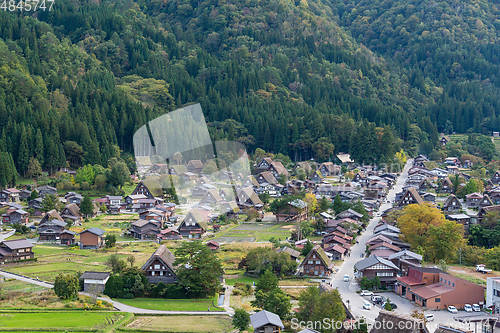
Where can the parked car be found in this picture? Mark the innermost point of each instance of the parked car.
(377, 299)
(452, 309)
(468, 308)
(346, 278)
(429, 317)
(366, 293)
(367, 305)
(476, 307)
(393, 305)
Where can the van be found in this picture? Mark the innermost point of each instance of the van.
(346, 278)
(429, 317)
(468, 308)
(476, 307)
(367, 305)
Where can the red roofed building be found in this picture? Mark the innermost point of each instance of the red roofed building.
(213, 245)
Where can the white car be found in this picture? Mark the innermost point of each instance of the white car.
(366, 293)
(346, 278)
(476, 307)
(452, 309)
(429, 317)
(468, 308)
(367, 305)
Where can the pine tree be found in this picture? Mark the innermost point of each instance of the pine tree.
(23, 155)
(87, 207)
(39, 151)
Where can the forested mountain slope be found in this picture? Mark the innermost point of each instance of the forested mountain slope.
(452, 43)
(287, 75)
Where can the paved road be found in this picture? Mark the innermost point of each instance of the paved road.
(26, 279)
(6, 234)
(348, 289)
(127, 308)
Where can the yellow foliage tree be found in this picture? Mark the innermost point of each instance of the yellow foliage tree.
(415, 221)
(311, 201)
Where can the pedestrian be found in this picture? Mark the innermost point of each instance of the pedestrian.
(208, 309)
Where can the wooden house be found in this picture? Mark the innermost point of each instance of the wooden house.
(263, 165)
(410, 197)
(376, 266)
(213, 245)
(304, 166)
(329, 169)
(178, 170)
(10, 195)
(16, 216)
(266, 177)
(94, 281)
(168, 234)
(149, 187)
(294, 254)
(405, 259)
(51, 215)
(485, 210)
(473, 199)
(316, 177)
(246, 197)
(159, 267)
(399, 323)
(336, 252)
(144, 229)
(277, 169)
(486, 201)
(495, 179)
(36, 205)
(44, 190)
(92, 238)
(15, 250)
(446, 186)
(193, 226)
(316, 263)
(55, 231)
(24, 194)
(71, 212)
(452, 204)
(195, 166)
(266, 322)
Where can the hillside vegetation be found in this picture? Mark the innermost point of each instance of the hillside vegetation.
(302, 78)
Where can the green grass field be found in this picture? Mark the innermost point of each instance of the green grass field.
(173, 304)
(242, 279)
(259, 232)
(198, 324)
(16, 285)
(58, 320)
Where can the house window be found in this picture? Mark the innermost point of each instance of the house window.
(157, 266)
(437, 300)
(310, 262)
(441, 279)
(448, 282)
(453, 284)
(317, 262)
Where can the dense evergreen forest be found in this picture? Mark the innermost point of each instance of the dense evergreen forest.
(304, 78)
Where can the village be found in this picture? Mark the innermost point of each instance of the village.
(332, 223)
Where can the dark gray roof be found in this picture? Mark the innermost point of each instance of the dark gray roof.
(264, 317)
(370, 261)
(18, 244)
(95, 231)
(95, 275)
(55, 222)
(406, 252)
